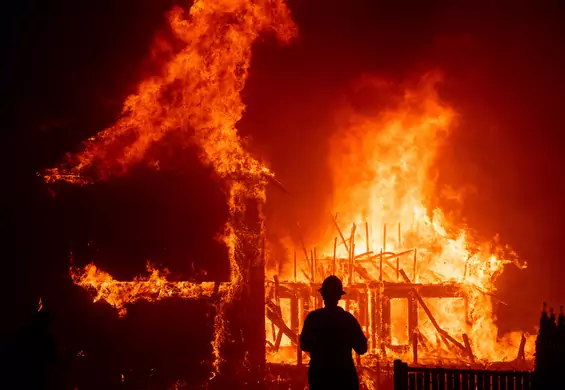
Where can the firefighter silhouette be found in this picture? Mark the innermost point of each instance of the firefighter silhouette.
(329, 335)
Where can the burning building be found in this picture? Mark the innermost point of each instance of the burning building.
(421, 286)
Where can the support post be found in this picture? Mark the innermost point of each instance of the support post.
(312, 265)
(415, 348)
(415, 264)
(351, 253)
(295, 267)
(381, 267)
(372, 317)
(315, 262)
(384, 238)
(413, 324)
(294, 325)
(367, 236)
(335, 253)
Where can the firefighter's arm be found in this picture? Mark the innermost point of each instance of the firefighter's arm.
(359, 339)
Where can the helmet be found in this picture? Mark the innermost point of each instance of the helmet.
(332, 286)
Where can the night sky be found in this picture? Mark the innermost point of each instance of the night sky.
(68, 65)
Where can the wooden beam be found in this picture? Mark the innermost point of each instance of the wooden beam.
(468, 347)
(340, 233)
(442, 332)
(276, 319)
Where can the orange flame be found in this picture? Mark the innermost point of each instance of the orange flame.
(198, 94)
(153, 288)
(382, 160)
(382, 163)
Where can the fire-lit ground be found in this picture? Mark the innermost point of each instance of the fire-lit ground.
(408, 267)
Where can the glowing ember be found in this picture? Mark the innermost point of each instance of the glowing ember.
(198, 93)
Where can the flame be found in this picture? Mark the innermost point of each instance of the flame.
(197, 94)
(382, 167)
(382, 160)
(152, 288)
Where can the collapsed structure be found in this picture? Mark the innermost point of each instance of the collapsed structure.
(422, 286)
(392, 307)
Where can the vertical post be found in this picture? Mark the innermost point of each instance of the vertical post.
(351, 253)
(413, 323)
(367, 235)
(252, 323)
(384, 238)
(381, 319)
(381, 267)
(415, 260)
(400, 375)
(362, 310)
(372, 317)
(302, 312)
(294, 266)
(315, 261)
(352, 262)
(415, 347)
(305, 306)
(294, 320)
(312, 266)
(335, 253)
(398, 258)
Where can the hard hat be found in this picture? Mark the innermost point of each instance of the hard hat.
(332, 286)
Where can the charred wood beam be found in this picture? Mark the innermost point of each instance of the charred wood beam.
(276, 319)
(302, 244)
(363, 273)
(278, 340)
(468, 348)
(446, 336)
(306, 275)
(343, 240)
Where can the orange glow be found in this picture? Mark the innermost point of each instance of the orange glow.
(381, 164)
(197, 94)
(152, 288)
(382, 161)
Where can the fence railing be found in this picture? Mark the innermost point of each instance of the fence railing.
(419, 378)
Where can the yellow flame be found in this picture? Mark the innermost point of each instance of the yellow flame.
(382, 160)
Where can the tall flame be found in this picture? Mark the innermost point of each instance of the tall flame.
(198, 94)
(381, 163)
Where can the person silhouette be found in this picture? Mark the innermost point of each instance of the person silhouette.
(329, 335)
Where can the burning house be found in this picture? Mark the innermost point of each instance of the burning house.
(422, 287)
